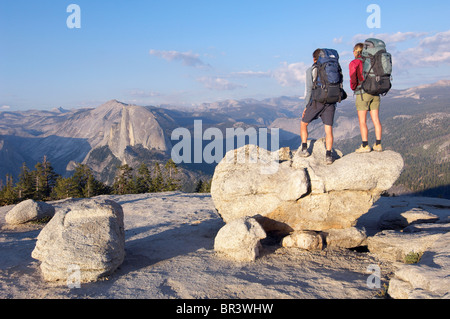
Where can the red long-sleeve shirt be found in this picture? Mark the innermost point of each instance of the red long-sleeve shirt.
(356, 74)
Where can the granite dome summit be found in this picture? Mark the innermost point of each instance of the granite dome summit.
(73, 136)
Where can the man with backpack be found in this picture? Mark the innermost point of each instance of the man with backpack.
(370, 77)
(323, 90)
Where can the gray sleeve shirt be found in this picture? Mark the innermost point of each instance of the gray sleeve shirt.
(311, 75)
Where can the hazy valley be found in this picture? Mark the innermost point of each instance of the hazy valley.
(416, 124)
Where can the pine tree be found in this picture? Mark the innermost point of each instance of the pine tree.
(8, 195)
(123, 183)
(91, 187)
(171, 182)
(44, 179)
(24, 186)
(65, 188)
(81, 185)
(158, 180)
(203, 187)
(143, 181)
(199, 186)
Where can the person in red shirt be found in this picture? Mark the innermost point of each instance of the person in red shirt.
(365, 103)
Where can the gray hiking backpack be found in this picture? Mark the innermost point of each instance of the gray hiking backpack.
(377, 67)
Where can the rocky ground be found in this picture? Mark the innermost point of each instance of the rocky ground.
(170, 255)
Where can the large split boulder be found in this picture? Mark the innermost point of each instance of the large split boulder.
(87, 235)
(251, 181)
(294, 193)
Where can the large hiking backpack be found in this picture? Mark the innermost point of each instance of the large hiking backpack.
(328, 86)
(377, 67)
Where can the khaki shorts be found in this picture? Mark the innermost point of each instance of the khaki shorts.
(367, 102)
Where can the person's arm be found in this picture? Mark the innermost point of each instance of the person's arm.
(356, 74)
(353, 75)
(309, 86)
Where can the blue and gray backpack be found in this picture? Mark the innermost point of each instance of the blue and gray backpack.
(328, 86)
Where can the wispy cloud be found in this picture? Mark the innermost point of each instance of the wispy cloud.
(338, 40)
(431, 51)
(187, 58)
(250, 74)
(143, 94)
(390, 38)
(436, 47)
(5, 107)
(218, 83)
(287, 74)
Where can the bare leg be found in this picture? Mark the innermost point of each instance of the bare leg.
(376, 122)
(329, 137)
(362, 116)
(304, 132)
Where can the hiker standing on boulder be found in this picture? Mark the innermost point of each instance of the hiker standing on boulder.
(370, 74)
(323, 90)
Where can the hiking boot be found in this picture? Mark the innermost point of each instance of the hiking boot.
(305, 153)
(329, 159)
(363, 149)
(378, 148)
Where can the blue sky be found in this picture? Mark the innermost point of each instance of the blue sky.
(189, 52)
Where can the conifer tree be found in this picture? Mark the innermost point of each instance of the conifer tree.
(65, 188)
(91, 187)
(199, 186)
(24, 186)
(81, 185)
(158, 180)
(44, 179)
(123, 183)
(144, 183)
(171, 182)
(203, 187)
(7, 194)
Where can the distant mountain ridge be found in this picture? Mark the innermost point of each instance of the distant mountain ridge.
(116, 132)
(71, 136)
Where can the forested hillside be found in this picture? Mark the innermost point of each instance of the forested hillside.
(424, 142)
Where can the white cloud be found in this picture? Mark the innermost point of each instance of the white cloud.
(143, 94)
(338, 40)
(287, 74)
(187, 58)
(258, 74)
(431, 51)
(438, 38)
(389, 38)
(218, 83)
(5, 107)
(438, 57)
(437, 48)
(291, 74)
